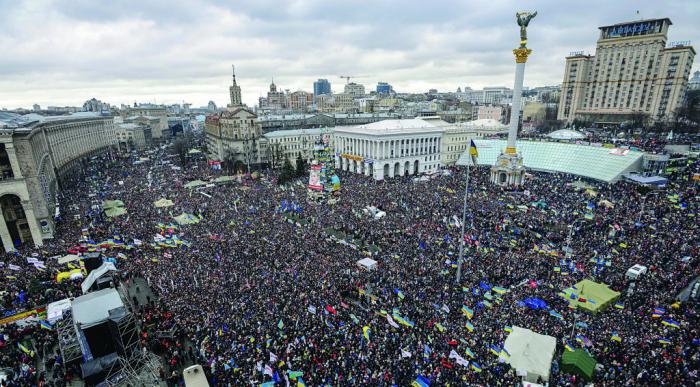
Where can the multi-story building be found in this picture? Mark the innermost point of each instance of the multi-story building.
(322, 120)
(384, 88)
(275, 99)
(322, 86)
(36, 153)
(154, 115)
(234, 134)
(633, 73)
(355, 89)
(344, 103)
(293, 143)
(694, 83)
(488, 95)
(300, 100)
(324, 103)
(490, 113)
(132, 136)
(95, 105)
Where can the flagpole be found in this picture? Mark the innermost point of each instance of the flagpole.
(464, 220)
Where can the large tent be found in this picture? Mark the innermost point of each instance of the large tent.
(107, 204)
(163, 203)
(579, 363)
(115, 211)
(590, 296)
(186, 218)
(195, 183)
(224, 179)
(531, 353)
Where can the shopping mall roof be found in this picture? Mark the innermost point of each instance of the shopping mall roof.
(595, 162)
(566, 134)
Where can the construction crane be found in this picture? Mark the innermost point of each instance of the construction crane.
(348, 77)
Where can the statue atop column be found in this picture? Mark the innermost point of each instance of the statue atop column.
(523, 20)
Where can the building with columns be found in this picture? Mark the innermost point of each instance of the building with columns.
(389, 148)
(36, 154)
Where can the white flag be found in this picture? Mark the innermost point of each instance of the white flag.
(459, 359)
(391, 321)
(445, 308)
(273, 358)
(267, 370)
(405, 353)
(312, 309)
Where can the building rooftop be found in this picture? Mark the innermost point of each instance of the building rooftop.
(394, 127)
(297, 132)
(10, 120)
(595, 162)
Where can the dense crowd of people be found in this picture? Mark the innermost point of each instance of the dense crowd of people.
(264, 287)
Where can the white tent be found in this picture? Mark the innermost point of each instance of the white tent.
(635, 271)
(368, 264)
(531, 354)
(93, 308)
(54, 311)
(95, 275)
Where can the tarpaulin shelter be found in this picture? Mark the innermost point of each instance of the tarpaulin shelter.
(107, 204)
(590, 296)
(195, 183)
(531, 353)
(163, 203)
(224, 179)
(68, 258)
(115, 211)
(368, 264)
(186, 218)
(578, 362)
(606, 203)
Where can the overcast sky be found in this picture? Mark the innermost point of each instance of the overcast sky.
(63, 52)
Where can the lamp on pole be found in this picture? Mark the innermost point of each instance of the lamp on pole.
(644, 200)
(568, 238)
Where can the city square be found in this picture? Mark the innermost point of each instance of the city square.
(484, 237)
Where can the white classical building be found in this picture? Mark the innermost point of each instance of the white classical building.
(390, 148)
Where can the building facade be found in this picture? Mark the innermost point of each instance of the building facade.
(634, 73)
(132, 136)
(35, 155)
(154, 115)
(234, 134)
(322, 86)
(694, 83)
(389, 148)
(355, 89)
(490, 113)
(291, 144)
(384, 88)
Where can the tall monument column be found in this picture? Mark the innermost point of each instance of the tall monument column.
(509, 170)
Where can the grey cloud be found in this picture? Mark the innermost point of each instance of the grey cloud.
(70, 50)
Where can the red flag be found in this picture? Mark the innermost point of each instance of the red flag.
(330, 309)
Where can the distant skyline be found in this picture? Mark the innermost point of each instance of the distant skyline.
(64, 52)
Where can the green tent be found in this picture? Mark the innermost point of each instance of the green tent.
(163, 203)
(224, 179)
(186, 218)
(194, 183)
(115, 211)
(112, 204)
(590, 296)
(578, 362)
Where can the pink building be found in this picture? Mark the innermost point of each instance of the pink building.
(490, 112)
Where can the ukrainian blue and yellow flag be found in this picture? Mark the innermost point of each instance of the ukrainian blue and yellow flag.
(476, 367)
(469, 326)
(616, 337)
(473, 152)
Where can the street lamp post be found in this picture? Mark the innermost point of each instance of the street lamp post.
(644, 200)
(568, 238)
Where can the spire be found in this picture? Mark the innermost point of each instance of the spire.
(233, 72)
